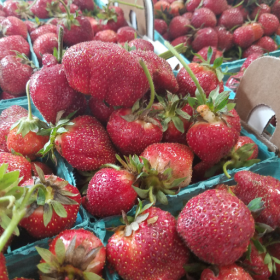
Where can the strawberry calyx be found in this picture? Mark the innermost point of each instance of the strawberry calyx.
(52, 196)
(181, 48)
(70, 263)
(29, 123)
(69, 19)
(23, 9)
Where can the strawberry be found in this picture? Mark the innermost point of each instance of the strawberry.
(275, 9)
(248, 61)
(45, 44)
(73, 9)
(192, 5)
(244, 11)
(199, 232)
(161, 6)
(181, 40)
(47, 28)
(203, 17)
(13, 43)
(55, 209)
(114, 185)
(274, 251)
(7, 118)
(234, 80)
(269, 23)
(251, 185)
(17, 163)
(31, 25)
(260, 9)
(126, 34)
(176, 8)
(216, 6)
(100, 110)
(166, 36)
(17, 9)
(253, 49)
(203, 52)
(228, 272)
(5, 95)
(141, 44)
(160, 26)
(243, 140)
(76, 28)
(188, 15)
(45, 168)
(49, 60)
(106, 82)
(3, 268)
(179, 26)
(49, 87)
(74, 253)
(96, 24)
(205, 37)
(15, 65)
(247, 34)
(154, 235)
(108, 36)
(231, 18)
(267, 44)
(14, 26)
(84, 4)
(41, 8)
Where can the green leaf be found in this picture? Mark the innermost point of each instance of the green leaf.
(129, 218)
(45, 268)
(248, 253)
(209, 54)
(140, 192)
(147, 165)
(47, 216)
(62, 130)
(147, 206)
(178, 124)
(45, 254)
(139, 208)
(276, 260)
(59, 209)
(183, 114)
(161, 197)
(177, 182)
(220, 75)
(136, 106)
(9, 180)
(255, 204)
(41, 197)
(230, 106)
(60, 250)
(199, 97)
(91, 276)
(218, 62)
(259, 246)
(214, 93)
(55, 52)
(267, 259)
(3, 169)
(270, 267)
(192, 101)
(168, 172)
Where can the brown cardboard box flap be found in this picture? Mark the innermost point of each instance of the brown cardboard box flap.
(260, 86)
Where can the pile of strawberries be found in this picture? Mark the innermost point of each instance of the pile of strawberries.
(234, 29)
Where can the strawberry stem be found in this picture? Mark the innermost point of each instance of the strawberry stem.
(110, 165)
(30, 117)
(185, 65)
(129, 4)
(66, 8)
(168, 54)
(150, 80)
(225, 167)
(60, 44)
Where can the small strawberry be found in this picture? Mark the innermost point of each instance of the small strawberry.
(203, 17)
(108, 36)
(45, 168)
(251, 185)
(186, 40)
(160, 26)
(248, 61)
(75, 253)
(3, 268)
(205, 37)
(5, 95)
(188, 15)
(14, 26)
(234, 80)
(84, 4)
(231, 18)
(253, 49)
(45, 44)
(269, 23)
(17, 163)
(260, 9)
(96, 24)
(177, 8)
(275, 9)
(55, 208)
(225, 38)
(228, 272)
(216, 6)
(223, 234)
(141, 44)
(203, 52)
(18, 9)
(49, 60)
(13, 43)
(267, 44)
(179, 26)
(161, 253)
(47, 28)
(23, 136)
(31, 25)
(191, 5)
(274, 250)
(247, 34)
(41, 8)
(126, 34)
(19, 66)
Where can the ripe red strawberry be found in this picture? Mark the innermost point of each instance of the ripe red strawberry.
(182, 40)
(203, 52)
(5, 95)
(15, 66)
(96, 24)
(275, 9)
(228, 272)
(253, 49)
(111, 185)
(243, 140)
(51, 93)
(160, 26)
(231, 18)
(161, 6)
(49, 60)
(84, 4)
(45, 44)
(260, 9)
(166, 36)
(31, 25)
(47, 28)
(108, 36)
(154, 238)
(216, 6)
(248, 61)
(141, 44)
(100, 110)
(110, 14)
(7, 118)
(14, 26)
(176, 8)
(247, 34)
(205, 37)
(106, 82)
(267, 44)
(18, 9)
(13, 43)
(39, 9)
(73, 9)
(251, 185)
(274, 251)
(188, 15)
(179, 26)
(204, 74)
(216, 226)
(203, 17)
(75, 253)
(269, 23)
(126, 34)
(45, 168)
(234, 80)
(3, 268)
(225, 38)
(58, 211)
(17, 163)
(192, 5)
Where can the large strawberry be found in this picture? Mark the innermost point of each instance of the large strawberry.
(216, 226)
(160, 252)
(51, 93)
(41, 8)
(55, 208)
(205, 37)
(251, 185)
(46, 28)
(204, 17)
(225, 38)
(14, 26)
(74, 253)
(217, 6)
(269, 23)
(179, 26)
(109, 73)
(231, 18)
(18, 9)
(274, 251)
